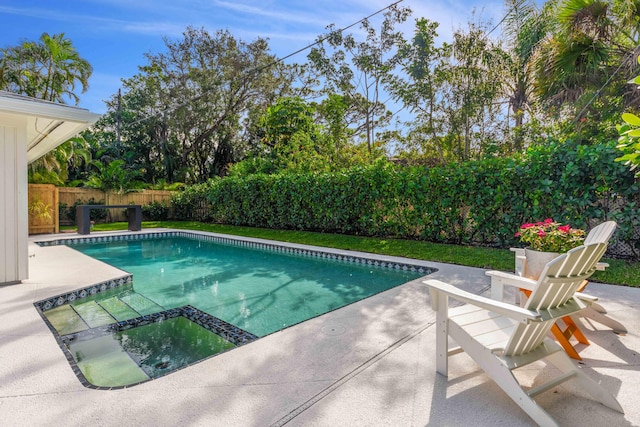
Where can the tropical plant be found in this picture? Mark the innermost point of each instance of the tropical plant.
(48, 69)
(550, 236)
(629, 141)
(39, 209)
(589, 52)
(524, 28)
(113, 177)
(57, 166)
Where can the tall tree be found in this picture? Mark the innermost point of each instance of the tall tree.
(418, 87)
(213, 81)
(591, 50)
(191, 111)
(524, 28)
(48, 69)
(357, 70)
(470, 94)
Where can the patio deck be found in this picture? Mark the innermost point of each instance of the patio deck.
(368, 364)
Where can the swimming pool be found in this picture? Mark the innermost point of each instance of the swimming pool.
(251, 288)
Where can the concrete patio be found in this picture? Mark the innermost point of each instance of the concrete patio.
(371, 363)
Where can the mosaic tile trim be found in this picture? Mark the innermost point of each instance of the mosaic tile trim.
(245, 243)
(229, 332)
(217, 326)
(59, 300)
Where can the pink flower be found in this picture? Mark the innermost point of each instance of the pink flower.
(550, 236)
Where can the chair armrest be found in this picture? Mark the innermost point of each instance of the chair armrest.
(520, 260)
(499, 307)
(586, 298)
(511, 279)
(500, 278)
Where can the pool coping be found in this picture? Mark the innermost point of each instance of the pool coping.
(379, 370)
(211, 323)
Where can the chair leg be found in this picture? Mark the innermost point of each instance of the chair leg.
(562, 362)
(501, 375)
(505, 379)
(593, 314)
(564, 342)
(572, 329)
(442, 333)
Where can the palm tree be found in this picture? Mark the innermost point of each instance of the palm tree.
(590, 43)
(53, 167)
(46, 69)
(524, 28)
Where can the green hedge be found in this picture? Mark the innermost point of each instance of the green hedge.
(481, 202)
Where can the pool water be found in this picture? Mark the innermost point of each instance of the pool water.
(141, 353)
(258, 290)
(135, 332)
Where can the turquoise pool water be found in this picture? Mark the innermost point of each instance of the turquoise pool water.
(195, 296)
(258, 290)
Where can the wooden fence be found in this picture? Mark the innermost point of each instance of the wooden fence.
(44, 201)
(43, 209)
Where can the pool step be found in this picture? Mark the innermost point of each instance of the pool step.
(93, 314)
(65, 320)
(118, 309)
(141, 304)
(104, 362)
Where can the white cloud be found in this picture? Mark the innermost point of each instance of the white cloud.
(255, 12)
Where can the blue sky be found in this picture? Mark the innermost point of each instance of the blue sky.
(114, 35)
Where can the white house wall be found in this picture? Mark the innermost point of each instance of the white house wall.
(14, 222)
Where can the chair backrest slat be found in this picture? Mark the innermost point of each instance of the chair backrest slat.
(601, 233)
(557, 285)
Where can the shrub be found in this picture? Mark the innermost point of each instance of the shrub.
(155, 211)
(478, 202)
(95, 214)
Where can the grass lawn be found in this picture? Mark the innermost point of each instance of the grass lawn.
(619, 272)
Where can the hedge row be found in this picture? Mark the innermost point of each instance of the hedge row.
(481, 202)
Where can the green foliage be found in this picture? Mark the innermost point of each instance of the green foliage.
(357, 70)
(162, 184)
(69, 212)
(191, 204)
(209, 93)
(629, 141)
(479, 202)
(113, 176)
(155, 211)
(47, 69)
(550, 236)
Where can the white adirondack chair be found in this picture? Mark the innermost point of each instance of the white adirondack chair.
(502, 337)
(599, 234)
